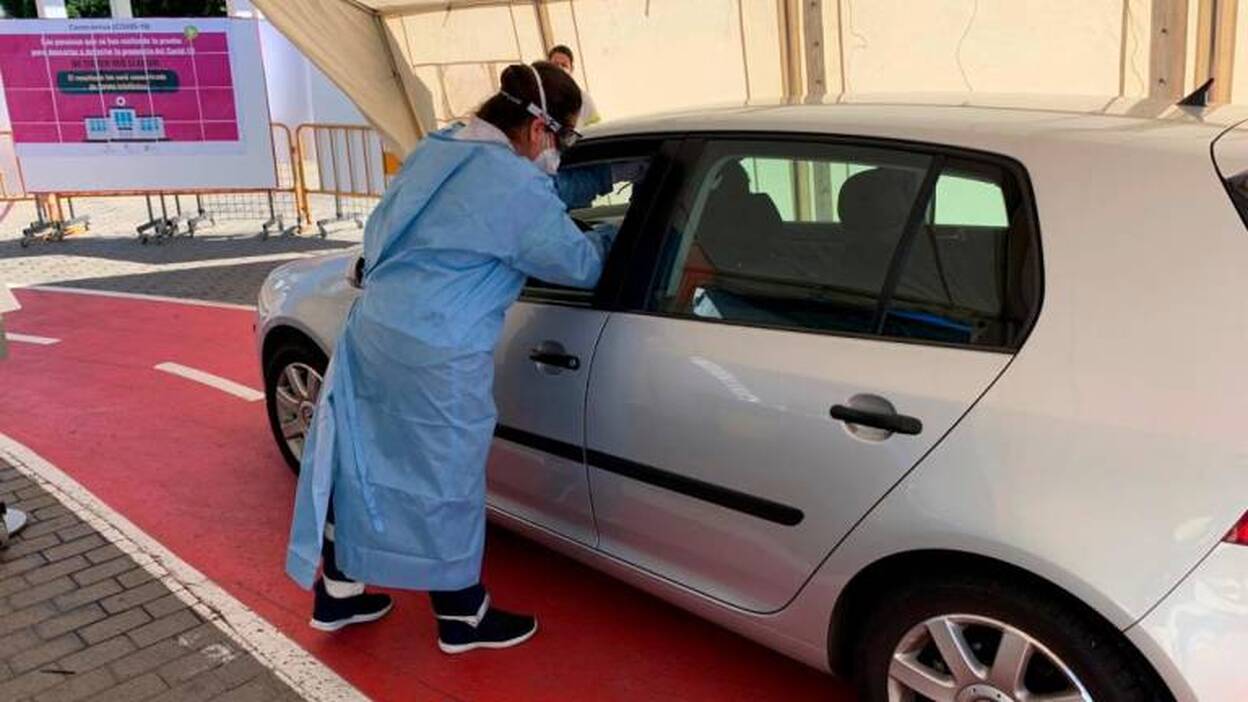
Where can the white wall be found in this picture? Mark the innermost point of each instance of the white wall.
(298, 91)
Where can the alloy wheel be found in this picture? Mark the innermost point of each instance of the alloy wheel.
(969, 658)
(298, 386)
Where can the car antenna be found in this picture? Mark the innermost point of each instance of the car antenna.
(1199, 97)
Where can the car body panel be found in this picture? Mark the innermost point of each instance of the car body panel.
(547, 489)
(1003, 124)
(748, 409)
(778, 631)
(1108, 458)
(311, 295)
(1201, 628)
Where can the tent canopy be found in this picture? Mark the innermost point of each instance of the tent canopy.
(412, 65)
(348, 41)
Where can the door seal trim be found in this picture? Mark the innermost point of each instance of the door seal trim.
(760, 507)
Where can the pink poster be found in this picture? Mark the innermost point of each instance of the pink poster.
(130, 87)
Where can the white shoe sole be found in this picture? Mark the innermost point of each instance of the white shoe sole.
(14, 521)
(464, 648)
(357, 619)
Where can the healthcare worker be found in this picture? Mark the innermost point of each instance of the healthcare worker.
(561, 56)
(392, 488)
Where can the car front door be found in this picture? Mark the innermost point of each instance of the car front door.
(817, 316)
(536, 469)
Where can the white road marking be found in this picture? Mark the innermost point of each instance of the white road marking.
(31, 339)
(308, 676)
(215, 381)
(134, 296)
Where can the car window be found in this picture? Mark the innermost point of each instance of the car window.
(802, 190)
(963, 200)
(809, 236)
(598, 193)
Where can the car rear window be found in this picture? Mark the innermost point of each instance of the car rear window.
(819, 237)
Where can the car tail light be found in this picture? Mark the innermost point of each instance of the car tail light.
(1239, 532)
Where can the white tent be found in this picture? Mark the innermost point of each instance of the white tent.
(411, 65)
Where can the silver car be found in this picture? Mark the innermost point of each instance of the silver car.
(946, 398)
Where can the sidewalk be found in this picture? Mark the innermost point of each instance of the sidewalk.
(80, 620)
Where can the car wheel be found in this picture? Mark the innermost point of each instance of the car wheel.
(293, 375)
(984, 640)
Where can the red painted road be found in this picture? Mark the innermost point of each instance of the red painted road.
(196, 468)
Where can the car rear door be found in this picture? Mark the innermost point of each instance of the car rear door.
(814, 317)
(536, 468)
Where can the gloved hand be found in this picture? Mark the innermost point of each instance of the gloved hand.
(604, 235)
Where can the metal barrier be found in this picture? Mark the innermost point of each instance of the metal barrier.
(278, 206)
(345, 161)
(167, 225)
(50, 223)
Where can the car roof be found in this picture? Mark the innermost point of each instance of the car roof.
(1012, 124)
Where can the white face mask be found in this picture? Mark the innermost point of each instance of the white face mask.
(548, 159)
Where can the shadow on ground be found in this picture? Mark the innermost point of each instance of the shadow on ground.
(177, 250)
(236, 284)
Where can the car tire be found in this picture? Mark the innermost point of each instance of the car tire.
(298, 354)
(1067, 640)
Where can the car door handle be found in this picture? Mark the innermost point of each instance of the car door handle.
(558, 360)
(887, 421)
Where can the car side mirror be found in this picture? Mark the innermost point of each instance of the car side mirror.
(355, 275)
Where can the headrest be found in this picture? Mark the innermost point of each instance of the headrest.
(877, 200)
(732, 179)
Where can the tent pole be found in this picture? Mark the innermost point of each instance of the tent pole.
(543, 25)
(1215, 46)
(812, 29)
(1168, 50)
(790, 46)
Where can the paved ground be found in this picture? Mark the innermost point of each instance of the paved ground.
(196, 469)
(225, 263)
(81, 620)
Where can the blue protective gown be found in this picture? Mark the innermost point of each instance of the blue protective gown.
(406, 415)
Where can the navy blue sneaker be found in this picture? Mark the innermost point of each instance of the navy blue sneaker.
(486, 628)
(331, 613)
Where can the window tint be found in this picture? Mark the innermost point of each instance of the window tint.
(813, 237)
(967, 201)
(802, 190)
(597, 193)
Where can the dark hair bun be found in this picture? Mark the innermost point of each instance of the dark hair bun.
(563, 97)
(517, 80)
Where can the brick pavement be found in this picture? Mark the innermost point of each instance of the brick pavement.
(80, 620)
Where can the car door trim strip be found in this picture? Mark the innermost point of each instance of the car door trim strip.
(554, 447)
(728, 498)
